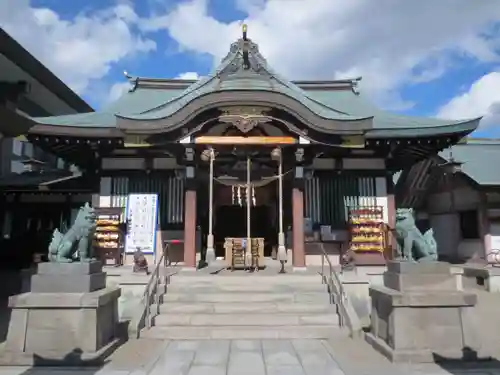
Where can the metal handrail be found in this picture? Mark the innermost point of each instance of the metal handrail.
(347, 315)
(144, 317)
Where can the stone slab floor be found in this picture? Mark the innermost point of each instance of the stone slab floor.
(249, 357)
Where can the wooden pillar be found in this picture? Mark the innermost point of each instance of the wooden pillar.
(299, 256)
(484, 227)
(391, 217)
(190, 211)
(190, 228)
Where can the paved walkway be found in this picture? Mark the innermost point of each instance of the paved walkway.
(240, 357)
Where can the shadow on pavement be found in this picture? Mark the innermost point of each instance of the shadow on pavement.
(71, 360)
(470, 360)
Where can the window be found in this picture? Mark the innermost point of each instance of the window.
(17, 147)
(60, 163)
(469, 224)
(28, 150)
(16, 166)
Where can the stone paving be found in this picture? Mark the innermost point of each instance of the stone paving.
(236, 357)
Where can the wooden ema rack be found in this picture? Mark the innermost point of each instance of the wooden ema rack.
(368, 235)
(109, 238)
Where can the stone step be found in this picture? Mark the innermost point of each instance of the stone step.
(253, 307)
(245, 288)
(246, 279)
(319, 297)
(253, 320)
(240, 332)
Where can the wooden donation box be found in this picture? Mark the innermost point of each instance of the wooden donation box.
(235, 249)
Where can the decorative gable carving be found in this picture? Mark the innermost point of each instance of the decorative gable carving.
(244, 118)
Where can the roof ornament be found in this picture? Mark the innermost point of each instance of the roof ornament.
(245, 47)
(355, 85)
(134, 81)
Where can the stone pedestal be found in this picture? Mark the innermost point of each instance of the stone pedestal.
(419, 315)
(68, 318)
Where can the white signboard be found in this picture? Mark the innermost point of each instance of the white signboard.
(142, 217)
(495, 236)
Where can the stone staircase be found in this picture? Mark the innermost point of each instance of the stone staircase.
(244, 306)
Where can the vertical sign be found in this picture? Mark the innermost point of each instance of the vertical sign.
(495, 236)
(142, 219)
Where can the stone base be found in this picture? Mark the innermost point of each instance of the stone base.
(420, 316)
(411, 276)
(53, 325)
(68, 277)
(73, 284)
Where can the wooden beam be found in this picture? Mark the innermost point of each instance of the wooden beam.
(245, 140)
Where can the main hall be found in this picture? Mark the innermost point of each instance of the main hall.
(246, 156)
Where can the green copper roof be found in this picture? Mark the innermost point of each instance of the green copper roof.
(477, 156)
(231, 75)
(334, 101)
(144, 100)
(386, 124)
(134, 102)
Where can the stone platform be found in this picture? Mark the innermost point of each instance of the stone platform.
(78, 278)
(52, 324)
(419, 315)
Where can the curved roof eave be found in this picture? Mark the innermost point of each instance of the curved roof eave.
(75, 131)
(458, 127)
(185, 113)
(92, 124)
(87, 120)
(168, 111)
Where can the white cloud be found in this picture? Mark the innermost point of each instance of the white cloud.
(188, 75)
(388, 42)
(117, 90)
(481, 99)
(78, 50)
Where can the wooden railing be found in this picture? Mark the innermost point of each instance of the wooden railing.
(149, 306)
(347, 315)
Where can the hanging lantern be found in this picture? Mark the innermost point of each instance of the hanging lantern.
(205, 155)
(276, 154)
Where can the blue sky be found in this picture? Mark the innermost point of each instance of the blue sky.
(416, 57)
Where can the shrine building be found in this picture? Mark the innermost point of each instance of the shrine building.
(457, 193)
(28, 89)
(247, 153)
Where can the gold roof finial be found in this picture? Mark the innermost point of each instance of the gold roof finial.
(244, 30)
